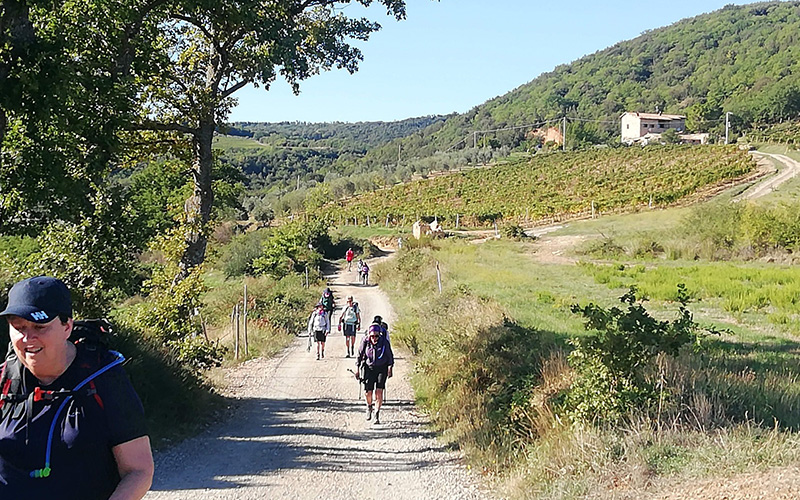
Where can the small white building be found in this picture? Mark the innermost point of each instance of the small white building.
(637, 125)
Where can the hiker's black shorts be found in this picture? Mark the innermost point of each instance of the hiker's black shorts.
(375, 378)
(319, 335)
(349, 330)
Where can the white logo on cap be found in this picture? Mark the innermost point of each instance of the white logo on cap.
(39, 315)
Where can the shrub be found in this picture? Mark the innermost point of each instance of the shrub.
(611, 364)
(236, 258)
(514, 232)
(293, 247)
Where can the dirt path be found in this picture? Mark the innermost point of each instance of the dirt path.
(768, 184)
(299, 432)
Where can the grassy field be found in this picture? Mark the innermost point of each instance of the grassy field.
(227, 142)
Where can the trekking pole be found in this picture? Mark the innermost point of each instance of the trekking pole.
(359, 383)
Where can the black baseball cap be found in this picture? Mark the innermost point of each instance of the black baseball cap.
(40, 299)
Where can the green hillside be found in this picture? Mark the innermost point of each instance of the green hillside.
(557, 184)
(277, 153)
(740, 59)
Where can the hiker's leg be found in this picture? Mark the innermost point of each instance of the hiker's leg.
(378, 399)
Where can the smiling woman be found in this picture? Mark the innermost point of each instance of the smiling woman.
(70, 421)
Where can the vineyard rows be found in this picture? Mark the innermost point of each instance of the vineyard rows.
(554, 185)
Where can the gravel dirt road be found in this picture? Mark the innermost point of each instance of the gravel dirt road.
(300, 432)
(770, 183)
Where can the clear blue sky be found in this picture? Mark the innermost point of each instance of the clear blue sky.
(453, 55)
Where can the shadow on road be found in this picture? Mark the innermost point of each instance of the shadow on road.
(280, 438)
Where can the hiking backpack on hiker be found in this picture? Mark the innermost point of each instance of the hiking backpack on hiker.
(350, 314)
(328, 302)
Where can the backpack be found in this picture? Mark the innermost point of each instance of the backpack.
(350, 314)
(327, 302)
(365, 268)
(319, 321)
(95, 333)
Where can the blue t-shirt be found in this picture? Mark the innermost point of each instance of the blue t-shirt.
(90, 425)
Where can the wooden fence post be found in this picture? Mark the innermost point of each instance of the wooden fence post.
(236, 329)
(244, 322)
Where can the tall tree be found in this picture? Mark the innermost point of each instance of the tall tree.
(216, 48)
(69, 74)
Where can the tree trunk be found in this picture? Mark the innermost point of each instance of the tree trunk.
(198, 206)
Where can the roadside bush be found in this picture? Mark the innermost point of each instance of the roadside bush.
(612, 364)
(292, 247)
(18, 248)
(514, 232)
(236, 258)
(472, 361)
(172, 394)
(605, 247)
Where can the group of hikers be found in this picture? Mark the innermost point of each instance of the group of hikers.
(374, 356)
(361, 266)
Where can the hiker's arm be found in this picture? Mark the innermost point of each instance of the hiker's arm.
(135, 465)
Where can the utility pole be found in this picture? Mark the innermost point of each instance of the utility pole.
(564, 133)
(475, 139)
(399, 146)
(727, 125)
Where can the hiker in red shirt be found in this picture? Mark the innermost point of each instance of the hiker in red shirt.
(349, 256)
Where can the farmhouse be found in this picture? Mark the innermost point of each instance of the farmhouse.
(549, 134)
(637, 125)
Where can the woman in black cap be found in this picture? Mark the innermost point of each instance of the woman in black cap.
(71, 424)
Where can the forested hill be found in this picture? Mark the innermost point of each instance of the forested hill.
(742, 59)
(339, 135)
(279, 153)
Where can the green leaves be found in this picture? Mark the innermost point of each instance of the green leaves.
(614, 361)
(293, 247)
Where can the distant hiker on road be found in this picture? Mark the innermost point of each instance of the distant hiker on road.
(329, 304)
(364, 273)
(351, 320)
(349, 256)
(374, 364)
(319, 326)
(359, 267)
